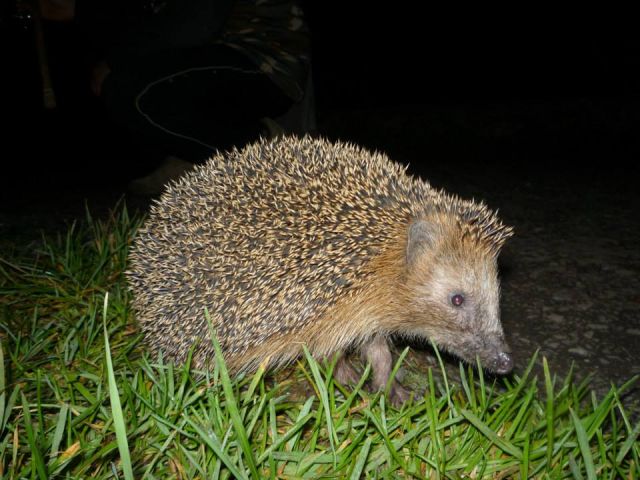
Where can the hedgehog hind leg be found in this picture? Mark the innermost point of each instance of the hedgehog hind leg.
(378, 354)
(345, 372)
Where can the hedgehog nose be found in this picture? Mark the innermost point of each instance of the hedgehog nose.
(504, 363)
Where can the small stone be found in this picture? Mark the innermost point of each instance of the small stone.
(556, 318)
(579, 351)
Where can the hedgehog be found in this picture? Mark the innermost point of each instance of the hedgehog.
(300, 241)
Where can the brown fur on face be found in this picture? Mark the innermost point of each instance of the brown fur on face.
(446, 264)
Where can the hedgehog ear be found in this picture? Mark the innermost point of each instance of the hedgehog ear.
(422, 235)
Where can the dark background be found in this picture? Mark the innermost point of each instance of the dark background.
(399, 56)
(457, 55)
(534, 93)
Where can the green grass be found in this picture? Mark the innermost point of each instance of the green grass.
(80, 399)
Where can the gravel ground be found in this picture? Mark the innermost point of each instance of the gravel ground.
(557, 171)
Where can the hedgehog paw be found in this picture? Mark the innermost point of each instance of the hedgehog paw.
(398, 395)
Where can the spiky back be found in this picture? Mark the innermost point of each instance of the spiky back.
(270, 237)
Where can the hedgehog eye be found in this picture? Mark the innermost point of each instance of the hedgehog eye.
(457, 300)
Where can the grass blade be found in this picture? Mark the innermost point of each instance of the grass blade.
(116, 407)
(232, 404)
(324, 398)
(361, 460)
(283, 438)
(491, 435)
(214, 442)
(583, 443)
(57, 436)
(549, 413)
(36, 454)
(628, 443)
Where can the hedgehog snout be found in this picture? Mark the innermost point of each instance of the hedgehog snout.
(503, 363)
(495, 355)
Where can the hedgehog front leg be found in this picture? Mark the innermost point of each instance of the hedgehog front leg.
(378, 354)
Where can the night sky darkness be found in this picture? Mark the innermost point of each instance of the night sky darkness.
(444, 55)
(578, 70)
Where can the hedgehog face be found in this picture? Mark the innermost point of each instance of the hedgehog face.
(455, 296)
